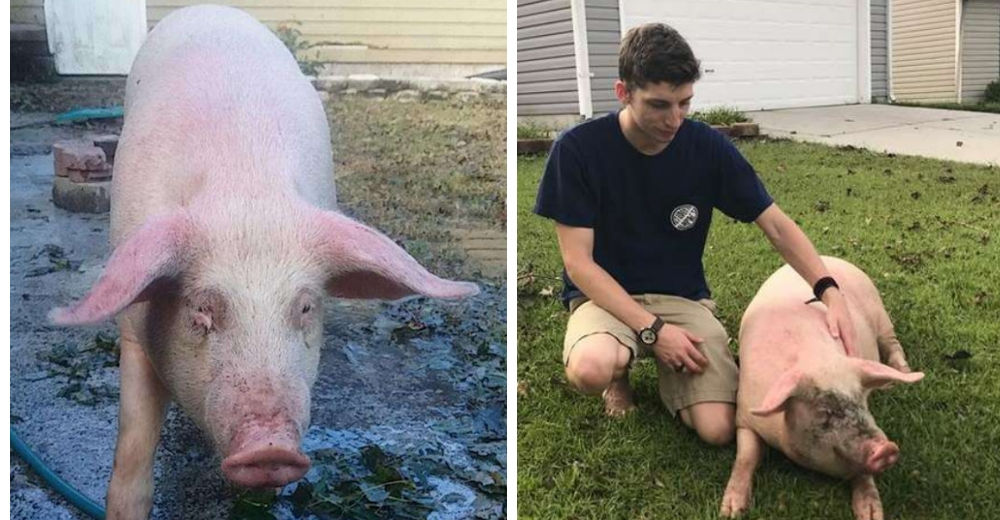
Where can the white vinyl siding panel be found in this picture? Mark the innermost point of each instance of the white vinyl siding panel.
(762, 54)
(879, 51)
(381, 31)
(980, 47)
(603, 38)
(546, 59)
(924, 50)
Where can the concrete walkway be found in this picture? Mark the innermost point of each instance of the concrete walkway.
(954, 135)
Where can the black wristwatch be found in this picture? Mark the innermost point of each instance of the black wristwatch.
(648, 335)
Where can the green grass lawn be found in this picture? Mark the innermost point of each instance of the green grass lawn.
(926, 231)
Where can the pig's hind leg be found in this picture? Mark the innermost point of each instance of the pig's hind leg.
(865, 500)
(889, 349)
(749, 450)
(142, 404)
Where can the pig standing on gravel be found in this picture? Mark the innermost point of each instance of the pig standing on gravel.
(226, 237)
(800, 393)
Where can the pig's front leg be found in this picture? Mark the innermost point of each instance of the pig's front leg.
(143, 400)
(865, 502)
(749, 450)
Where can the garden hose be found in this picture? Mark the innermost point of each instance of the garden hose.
(59, 485)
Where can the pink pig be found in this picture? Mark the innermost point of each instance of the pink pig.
(800, 393)
(226, 238)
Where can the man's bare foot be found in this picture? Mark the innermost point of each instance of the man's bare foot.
(618, 398)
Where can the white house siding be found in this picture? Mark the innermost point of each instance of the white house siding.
(603, 38)
(763, 54)
(924, 50)
(980, 47)
(382, 31)
(546, 59)
(879, 38)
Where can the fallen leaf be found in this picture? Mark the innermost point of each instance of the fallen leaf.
(958, 355)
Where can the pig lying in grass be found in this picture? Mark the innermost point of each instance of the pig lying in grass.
(225, 240)
(800, 393)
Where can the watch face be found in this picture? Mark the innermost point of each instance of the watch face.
(647, 336)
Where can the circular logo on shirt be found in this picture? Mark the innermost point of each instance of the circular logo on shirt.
(684, 217)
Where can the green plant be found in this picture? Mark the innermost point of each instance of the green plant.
(720, 116)
(992, 94)
(532, 131)
(292, 38)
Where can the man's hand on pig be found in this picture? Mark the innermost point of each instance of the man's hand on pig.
(675, 348)
(839, 320)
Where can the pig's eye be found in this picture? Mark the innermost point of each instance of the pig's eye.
(306, 308)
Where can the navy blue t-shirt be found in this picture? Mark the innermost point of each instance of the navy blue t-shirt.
(650, 214)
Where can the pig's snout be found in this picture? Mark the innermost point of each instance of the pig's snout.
(262, 456)
(882, 454)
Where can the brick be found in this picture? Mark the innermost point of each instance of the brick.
(76, 155)
(89, 197)
(88, 175)
(108, 143)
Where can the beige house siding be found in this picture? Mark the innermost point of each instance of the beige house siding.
(980, 47)
(382, 31)
(364, 31)
(924, 50)
(27, 12)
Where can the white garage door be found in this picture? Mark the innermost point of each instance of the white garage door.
(759, 54)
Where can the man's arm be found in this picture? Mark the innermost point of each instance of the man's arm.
(674, 344)
(794, 246)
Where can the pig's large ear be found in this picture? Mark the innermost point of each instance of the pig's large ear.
(786, 386)
(876, 375)
(363, 263)
(153, 251)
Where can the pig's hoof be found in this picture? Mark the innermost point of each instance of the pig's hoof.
(865, 501)
(735, 502)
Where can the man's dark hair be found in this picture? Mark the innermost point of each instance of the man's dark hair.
(653, 53)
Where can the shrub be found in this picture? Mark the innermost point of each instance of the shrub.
(720, 116)
(992, 94)
(531, 131)
(292, 38)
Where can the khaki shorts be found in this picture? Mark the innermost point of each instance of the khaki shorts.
(677, 390)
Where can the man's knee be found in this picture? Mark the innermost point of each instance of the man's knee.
(595, 362)
(715, 423)
(717, 433)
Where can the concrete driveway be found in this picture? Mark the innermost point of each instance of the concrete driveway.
(955, 135)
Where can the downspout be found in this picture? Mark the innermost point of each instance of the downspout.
(864, 42)
(958, 51)
(578, 10)
(890, 95)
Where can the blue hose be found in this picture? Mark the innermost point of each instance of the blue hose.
(75, 497)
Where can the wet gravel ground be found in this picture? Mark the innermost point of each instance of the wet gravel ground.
(408, 413)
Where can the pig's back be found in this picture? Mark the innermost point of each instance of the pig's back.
(779, 329)
(216, 108)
